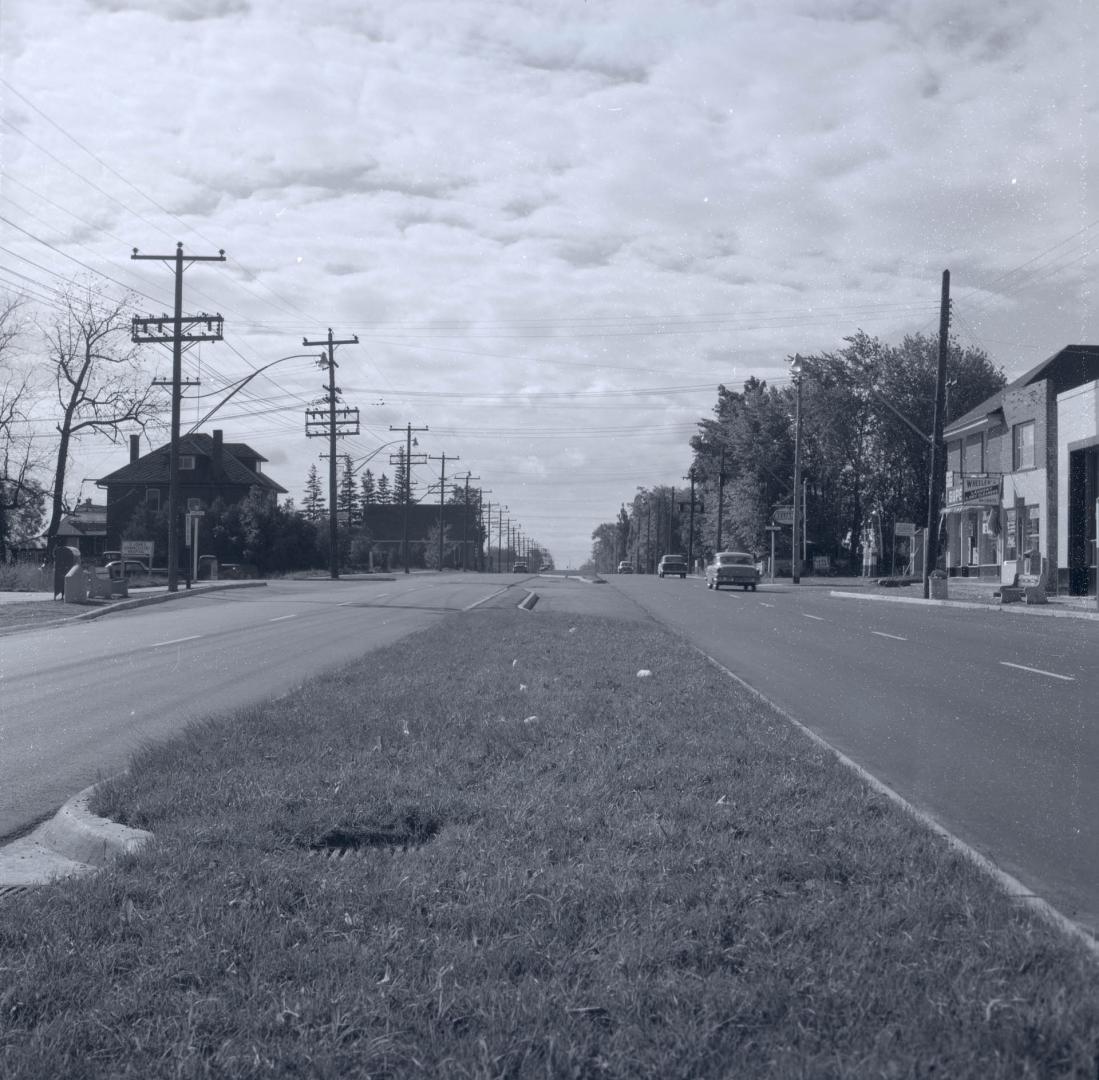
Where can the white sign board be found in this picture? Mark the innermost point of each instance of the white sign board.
(784, 515)
(904, 528)
(138, 549)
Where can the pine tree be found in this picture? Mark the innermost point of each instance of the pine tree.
(384, 494)
(347, 497)
(401, 479)
(369, 494)
(314, 503)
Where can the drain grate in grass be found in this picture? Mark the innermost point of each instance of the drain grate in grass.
(12, 890)
(411, 830)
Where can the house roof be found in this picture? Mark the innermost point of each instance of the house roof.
(1071, 366)
(154, 467)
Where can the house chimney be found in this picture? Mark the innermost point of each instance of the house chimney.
(216, 455)
(135, 448)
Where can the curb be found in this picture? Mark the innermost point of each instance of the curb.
(973, 605)
(72, 843)
(160, 598)
(528, 602)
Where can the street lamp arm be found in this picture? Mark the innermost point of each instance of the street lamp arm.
(373, 454)
(242, 384)
(899, 415)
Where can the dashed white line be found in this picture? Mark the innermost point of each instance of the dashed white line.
(282, 617)
(819, 618)
(174, 641)
(1039, 671)
(763, 603)
(893, 637)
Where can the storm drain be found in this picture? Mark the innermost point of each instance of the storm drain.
(411, 831)
(12, 890)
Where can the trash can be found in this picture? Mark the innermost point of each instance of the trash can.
(938, 581)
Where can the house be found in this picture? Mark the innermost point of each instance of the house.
(84, 528)
(209, 469)
(1021, 477)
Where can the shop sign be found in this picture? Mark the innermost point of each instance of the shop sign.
(975, 489)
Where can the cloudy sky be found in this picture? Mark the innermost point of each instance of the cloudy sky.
(555, 225)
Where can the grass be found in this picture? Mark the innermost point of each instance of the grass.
(494, 850)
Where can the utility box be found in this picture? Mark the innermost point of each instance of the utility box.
(207, 568)
(938, 585)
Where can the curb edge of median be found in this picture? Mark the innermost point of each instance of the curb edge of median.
(1011, 885)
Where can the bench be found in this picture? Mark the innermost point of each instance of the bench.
(1028, 588)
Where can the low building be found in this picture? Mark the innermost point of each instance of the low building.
(209, 469)
(1021, 477)
(84, 528)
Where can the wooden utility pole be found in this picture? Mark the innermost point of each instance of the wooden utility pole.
(465, 519)
(143, 331)
(337, 423)
(934, 482)
(442, 501)
(421, 459)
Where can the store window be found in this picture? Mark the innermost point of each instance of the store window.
(954, 455)
(1022, 441)
(1011, 536)
(1032, 530)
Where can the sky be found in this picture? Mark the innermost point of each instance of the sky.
(555, 226)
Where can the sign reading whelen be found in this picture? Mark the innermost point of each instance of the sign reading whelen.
(973, 489)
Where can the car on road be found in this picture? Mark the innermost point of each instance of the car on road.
(625, 568)
(520, 567)
(732, 568)
(672, 565)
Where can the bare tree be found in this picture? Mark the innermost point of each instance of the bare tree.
(98, 372)
(20, 494)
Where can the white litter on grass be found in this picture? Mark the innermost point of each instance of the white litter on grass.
(572, 629)
(515, 663)
(522, 686)
(644, 673)
(530, 719)
(404, 728)
(721, 801)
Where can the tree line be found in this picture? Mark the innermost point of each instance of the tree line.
(867, 411)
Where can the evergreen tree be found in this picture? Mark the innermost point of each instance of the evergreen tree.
(400, 479)
(313, 504)
(369, 493)
(385, 496)
(347, 496)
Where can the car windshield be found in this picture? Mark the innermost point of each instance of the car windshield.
(735, 559)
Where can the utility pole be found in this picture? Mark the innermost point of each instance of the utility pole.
(143, 332)
(691, 527)
(442, 501)
(465, 518)
(795, 539)
(934, 483)
(720, 498)
(500, 508)
(421, 459)
(482, 514)
(315, 422)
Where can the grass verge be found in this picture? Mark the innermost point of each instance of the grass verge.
(495, 850)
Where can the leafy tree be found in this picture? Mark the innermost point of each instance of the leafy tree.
(148, 524)
(99, 377)
(314, 502)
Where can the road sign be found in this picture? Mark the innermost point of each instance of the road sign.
(141, 549)
(904, 528)
(783, 515)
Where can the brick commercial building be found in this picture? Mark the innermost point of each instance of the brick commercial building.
(1021, 477)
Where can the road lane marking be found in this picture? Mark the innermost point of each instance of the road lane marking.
(281, 617)
(1039, 671)
(819, 618)
(894, 637)
(174, 641)
(763, 603)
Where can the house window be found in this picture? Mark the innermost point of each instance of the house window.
(152, 498)
(1022, 441)
(1011, 550)
(974, 454)
(954, 455)
(187, 461)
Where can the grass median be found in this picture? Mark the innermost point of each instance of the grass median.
(497, 849)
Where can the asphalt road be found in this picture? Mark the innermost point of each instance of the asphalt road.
(986, 720)
(76, 700)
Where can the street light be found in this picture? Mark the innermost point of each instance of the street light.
(795, 560)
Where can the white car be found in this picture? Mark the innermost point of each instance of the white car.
(732, 568)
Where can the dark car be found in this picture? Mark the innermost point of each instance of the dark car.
(520, 567)
(671, 565)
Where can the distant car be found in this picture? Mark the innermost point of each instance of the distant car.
(520, 567)
(625, 568)
(732, 568)
(131, 568)
(671, 565)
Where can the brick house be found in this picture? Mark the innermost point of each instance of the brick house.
(209, 469)
(1021, 477)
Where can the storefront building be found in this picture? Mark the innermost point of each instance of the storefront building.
(1021, 477)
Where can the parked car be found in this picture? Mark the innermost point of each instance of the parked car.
(625, 568)
(732, 568)
(671, 565)
(131, 568)
(520, 567)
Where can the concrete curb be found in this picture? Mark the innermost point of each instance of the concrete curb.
(160, 598)
(528, 601)
(73, 842)
(1006, 609)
